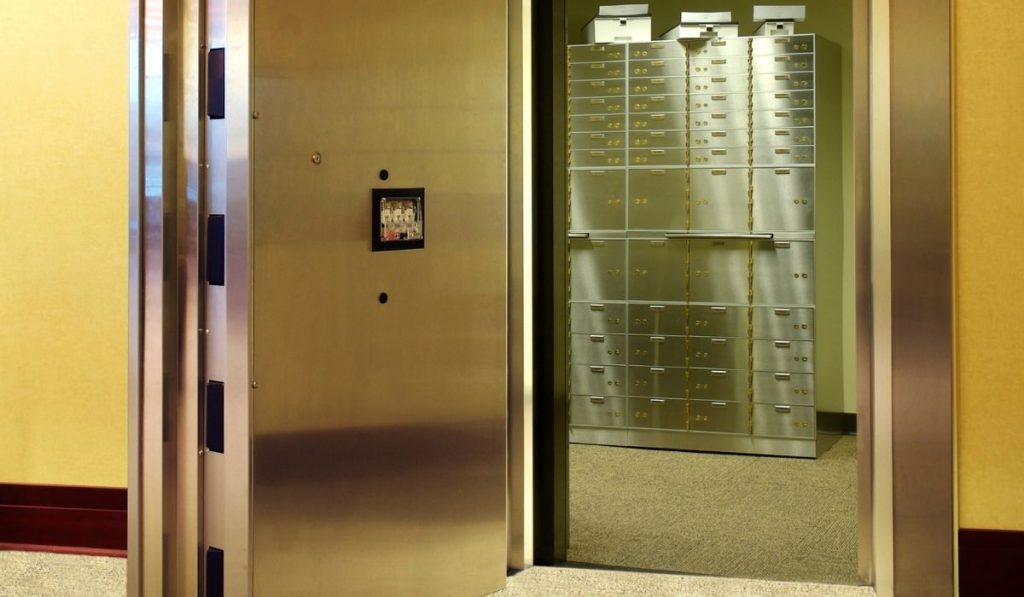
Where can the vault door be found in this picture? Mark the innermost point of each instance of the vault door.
(378, 425)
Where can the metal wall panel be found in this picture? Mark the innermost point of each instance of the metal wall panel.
(377, 469)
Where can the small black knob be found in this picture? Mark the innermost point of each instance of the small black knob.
(384, 174)
(383, 298)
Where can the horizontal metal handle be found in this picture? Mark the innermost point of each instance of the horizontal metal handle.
(721, 235)
(597, 369)
(596, 400)
(782, 344)
(657, 338)
(579, 235)
(596, 338)
(597, 307)
(783, 312)
(657, 401)
(718, 405)
(657, 369)
(783, 376)
(718, 372)
(719, 309)
(657, 307)
(783, 409)
(718, 340)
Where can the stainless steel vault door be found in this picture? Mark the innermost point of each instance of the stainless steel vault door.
(378, 428)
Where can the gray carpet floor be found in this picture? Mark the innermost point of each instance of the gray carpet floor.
(712, 514)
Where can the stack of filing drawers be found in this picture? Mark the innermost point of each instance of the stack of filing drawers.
(691, 244)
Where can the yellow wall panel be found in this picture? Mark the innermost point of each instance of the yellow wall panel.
(989, 85)
(63, 242)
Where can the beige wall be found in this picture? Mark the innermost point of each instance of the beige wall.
(989, 85)
(63, 242)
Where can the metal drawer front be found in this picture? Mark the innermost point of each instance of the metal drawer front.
(718, 416)
(783, 63)
(599, 349)
(718, 138)
(598, 105)
(719, 47)
(668, 121)
(718, 200)
(597, 88)
(597, 123)
(783, 323)
(783, 421)
(798, 155)
(597, 53)
(719, 353)
(784, 356)
(657, 413)
(657, 199)
(597, 200)
(774, 119)
(784, 199)
(597, 141)
(720, 156)
(784, 388)
(718, 271)
(658, 86)
(783, 100)
(598, 411)
(718, 321)
(657, 50)
(718, 121)
(719, 84)
(793, 44)
(598, 269)
(646, 139)
(668, 320)
(719, 65)
(671, 156)
(783, 137)
(719, 384)
(597, 70)
(597, 158)
(657, 68)
(598, 318)
(657, 103)
(783, 82)
(657, 351)
(784, 273)
(663, 382)
(598, 380)
(657, 270)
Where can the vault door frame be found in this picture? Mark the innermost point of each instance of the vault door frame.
(902, 261)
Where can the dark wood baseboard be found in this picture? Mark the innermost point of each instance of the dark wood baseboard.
(64, 519)
(991, 563)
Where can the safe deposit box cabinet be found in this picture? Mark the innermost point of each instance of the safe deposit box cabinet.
(323, 302)
(691, 210)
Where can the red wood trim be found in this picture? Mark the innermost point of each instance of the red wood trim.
(990, 563)
(64, 519)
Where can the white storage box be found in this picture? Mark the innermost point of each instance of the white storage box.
(620, 23)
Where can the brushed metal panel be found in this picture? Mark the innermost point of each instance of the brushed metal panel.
(597, 198)
(598, 380)
(719, 138)
(775, 119)
(718, 416)
(598, 318)
(718, 321)
(658, 413)
(657, 199)
(667, 121)
(597, 140)
(136, 308)
(792, 44)
(597, 53)
(597, 269)
(801, 155)
(718, 200)
(597, 123)
(783, 137)
(597, 105)
(783, 323)
(719, 157)
(671, 156)
(719, 47)
(782, 63)
(718, 271)
(658, 85)
(781, 420)
(376, 470)
(657, 103)
(657, 270)
(599, 436)
(597, 88)
(657, 319)
(793, 356)
(657, 351)
(597, 158)
(719, 102)
(716, 84)
(784, 199)
(598, 411)
(719, 353)
(782, 82)
(657, 68)
(782, 100)
(598, 349)
(784, 273)
(597, 70)
(719, 384)
(657, 50)
(778, 387)
(723, 65)
(721, 442)
(657, 382)
(657, 139)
